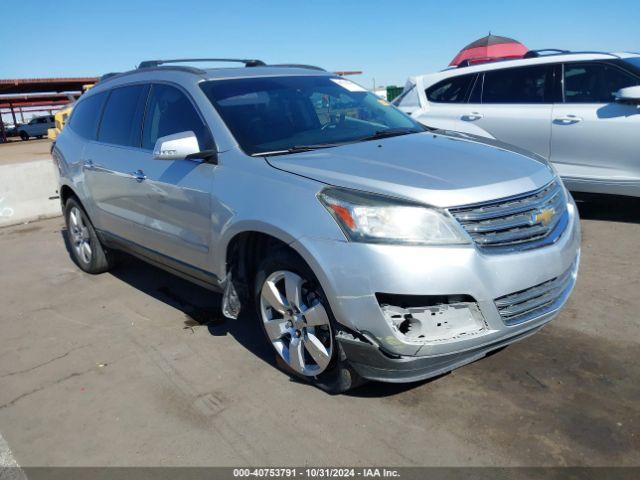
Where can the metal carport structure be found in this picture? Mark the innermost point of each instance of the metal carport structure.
(27, 95)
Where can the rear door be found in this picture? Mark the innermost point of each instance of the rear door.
(594, 138)
(176, 198)
(112, 164)
(515, 106)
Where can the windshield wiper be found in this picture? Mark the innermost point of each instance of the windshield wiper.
(389, 132)
(296, 149)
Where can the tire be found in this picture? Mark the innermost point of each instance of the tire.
(296, 318)
(83, 244)
(24, 136)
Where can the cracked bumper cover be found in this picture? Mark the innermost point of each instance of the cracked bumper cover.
(433, 271)
(373, 364)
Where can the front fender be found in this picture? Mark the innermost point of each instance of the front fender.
(252, 196)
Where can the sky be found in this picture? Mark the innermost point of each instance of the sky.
(388, 40)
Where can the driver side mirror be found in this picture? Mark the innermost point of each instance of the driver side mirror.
(182, 146)
(628, 95)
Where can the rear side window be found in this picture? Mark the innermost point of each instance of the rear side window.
(121, 122)
(594, 82)
(169, 111)
(451, 90)
(519, 85)
(85, 116)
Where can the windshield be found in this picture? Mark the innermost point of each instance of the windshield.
(282, 114)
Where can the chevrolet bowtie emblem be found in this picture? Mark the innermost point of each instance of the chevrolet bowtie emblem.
(543, 216)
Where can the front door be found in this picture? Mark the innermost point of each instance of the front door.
(595, 139)
(177, 193)
(447, 104)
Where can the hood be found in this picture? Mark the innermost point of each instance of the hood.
(438, 169)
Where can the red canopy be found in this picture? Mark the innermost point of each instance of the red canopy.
(489, 48)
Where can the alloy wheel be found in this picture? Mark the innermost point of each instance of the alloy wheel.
(80, 237)
(296, 322)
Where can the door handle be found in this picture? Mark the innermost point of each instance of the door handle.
(472, 117)
(138, 175)
(567, 120)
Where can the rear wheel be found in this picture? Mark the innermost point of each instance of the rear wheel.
(84, 245)
(297, 321)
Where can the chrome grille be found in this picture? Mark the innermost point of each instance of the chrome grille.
(526, 304)
(521, 222)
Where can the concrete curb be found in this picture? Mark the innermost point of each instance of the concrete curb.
(28, 191)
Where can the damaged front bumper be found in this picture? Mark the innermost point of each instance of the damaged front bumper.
(425, 310)
(373, 363)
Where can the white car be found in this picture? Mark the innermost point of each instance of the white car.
(37, 127)
(580, 111)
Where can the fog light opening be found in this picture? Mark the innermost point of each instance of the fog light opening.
(441, 321)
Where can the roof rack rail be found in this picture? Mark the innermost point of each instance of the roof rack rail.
(157, 63)
(542, 51)
(595, 52)
(297, 65)
(472, 62)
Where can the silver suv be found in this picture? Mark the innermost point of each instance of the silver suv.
(580, 111)
(370, 247)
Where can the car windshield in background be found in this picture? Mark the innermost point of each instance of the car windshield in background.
(297, 113)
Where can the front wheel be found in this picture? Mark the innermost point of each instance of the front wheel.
(24, 136)
(296, 318)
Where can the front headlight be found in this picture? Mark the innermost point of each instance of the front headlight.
(370, 218)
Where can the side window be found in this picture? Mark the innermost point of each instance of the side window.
(451, 90)
(121, 122)
(169, 111)
(594, 82)
(85, 115)
(518, 85)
